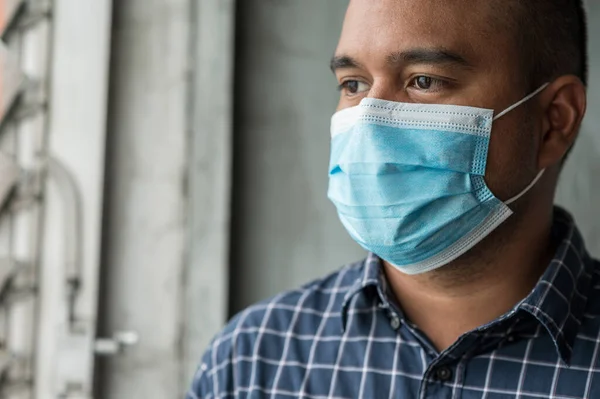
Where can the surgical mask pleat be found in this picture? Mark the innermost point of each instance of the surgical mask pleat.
(371, 144)
(418, 185)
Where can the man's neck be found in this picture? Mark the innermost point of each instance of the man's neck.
(477, 288)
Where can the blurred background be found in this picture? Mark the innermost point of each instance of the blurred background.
(163, 164)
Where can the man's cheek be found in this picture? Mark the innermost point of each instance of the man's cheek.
(510, 161)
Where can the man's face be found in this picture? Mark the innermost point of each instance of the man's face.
(443, 52)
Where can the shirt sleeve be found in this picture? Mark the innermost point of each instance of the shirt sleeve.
(202, 387)
(218, 375)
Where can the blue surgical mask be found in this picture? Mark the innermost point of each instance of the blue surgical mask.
(408, 180)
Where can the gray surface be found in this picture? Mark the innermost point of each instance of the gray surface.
(206, 278)
(285, 232)
(579, 189)
(145, 216)
(166, 232)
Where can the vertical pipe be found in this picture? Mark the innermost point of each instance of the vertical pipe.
(77, 97)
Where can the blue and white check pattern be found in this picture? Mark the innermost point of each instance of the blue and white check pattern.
(342, 337)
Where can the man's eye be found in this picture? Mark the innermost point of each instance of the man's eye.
(427, 83)
(352, 87)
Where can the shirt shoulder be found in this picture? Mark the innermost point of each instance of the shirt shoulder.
(592, 308)
(232, 358)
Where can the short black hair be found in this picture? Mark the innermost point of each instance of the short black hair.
(553, 39)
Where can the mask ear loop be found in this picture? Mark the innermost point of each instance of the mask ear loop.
(529, 187)
(506, 111)
(529, 97)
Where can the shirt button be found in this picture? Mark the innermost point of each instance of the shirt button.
(510, 339)
(395, 322)
(443, 374)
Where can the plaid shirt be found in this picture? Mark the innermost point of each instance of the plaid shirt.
(343, 337)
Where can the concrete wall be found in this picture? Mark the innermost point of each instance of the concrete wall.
(285, 232)
(145, 226)
(580, 183)
(210, 121)
(166, 228)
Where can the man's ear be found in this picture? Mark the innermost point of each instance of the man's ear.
(564, 103)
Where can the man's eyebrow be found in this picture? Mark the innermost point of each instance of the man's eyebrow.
(343, 62)
(410, 57)
(427, 56)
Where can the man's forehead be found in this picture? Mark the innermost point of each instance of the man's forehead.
(427, 8)
(376, 26)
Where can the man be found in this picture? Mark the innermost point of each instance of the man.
(454, 120)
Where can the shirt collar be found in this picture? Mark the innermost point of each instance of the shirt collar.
(558, 300)
(371, 277)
